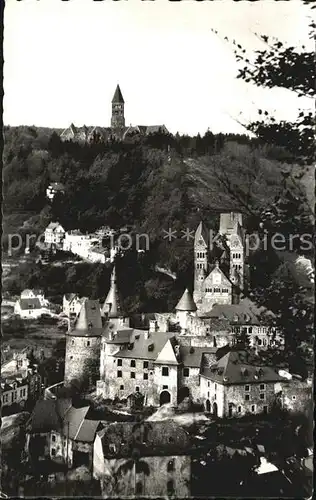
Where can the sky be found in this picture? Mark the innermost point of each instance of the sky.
(63, 60)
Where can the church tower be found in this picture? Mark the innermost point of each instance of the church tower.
(200, 261)
(237, 261)
(118, 120)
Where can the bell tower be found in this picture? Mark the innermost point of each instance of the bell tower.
(200, 261)
(118, 120)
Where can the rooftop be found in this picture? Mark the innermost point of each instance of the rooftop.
(89, 322)
(145, 348)
(186, 303)
(236, 367)
(30, 304)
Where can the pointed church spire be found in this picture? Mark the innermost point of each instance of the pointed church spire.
(118, 97)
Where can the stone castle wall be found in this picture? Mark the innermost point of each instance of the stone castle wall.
(82, 359)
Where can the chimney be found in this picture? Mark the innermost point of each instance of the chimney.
(111, 335)
(146, 334)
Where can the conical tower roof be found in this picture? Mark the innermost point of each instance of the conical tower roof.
(118, 97)
(112, 303)
(89, 322)
(186, 303)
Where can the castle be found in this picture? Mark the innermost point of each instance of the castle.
(118, 129)
(179, 354)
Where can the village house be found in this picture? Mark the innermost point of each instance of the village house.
(72, 304)
(14, 391)
(148, 459)
(237, 385)
(34, 294)
(59, 432)
(53, 189)
(29, 308)
(54, 235)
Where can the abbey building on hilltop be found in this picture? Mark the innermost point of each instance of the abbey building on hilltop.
(118, 129)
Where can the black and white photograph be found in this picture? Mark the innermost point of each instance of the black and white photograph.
(158, 234)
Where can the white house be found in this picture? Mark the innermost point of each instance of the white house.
(29, 308)
(14, 391)
(54, 234)
(72, 304)
(35, 294)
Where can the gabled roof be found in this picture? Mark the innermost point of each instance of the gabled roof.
(147, 349)
(118, 97)
(48, 415)
(237, 367)
(88, 322)
(73, 420)
(30, 304)
(246, 312)
(201, 235)
(186, 303)
(166, 438)
(54, 225)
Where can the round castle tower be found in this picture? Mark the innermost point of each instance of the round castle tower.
(83, 346)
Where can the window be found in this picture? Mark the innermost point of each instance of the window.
(208, 384)
(214, 396)
(262, 395)
(145, 364)
(247, 397)
(239, 409)
(88, 343)
(133, 364)
(170, 487)
(186, 372)
(53, 438)
(253, 408)
(170, 466)
(53, 452)
(119, 362)
(217, 290)
(262, 387)
(119, 373)
(165, 371)
(225, 290)
(208, 394)
(72, 342)
(247, 388)
(132, 374)
(164, 387)
(121, 387)
(265, 409)
(215, 387)
(137, 388)
(294, 398)
(145, 376)
(139, 488)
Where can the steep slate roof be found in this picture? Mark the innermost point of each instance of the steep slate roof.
(145, 348)
(112, 302)
(150, 438)
(60, 416)
(186, 303)
(123, 336)
(48, 415)
(87, 431)
(118, 97)
(246, 312)
(192, 356)
(235, 367)
(88, 322)
(30, 304)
